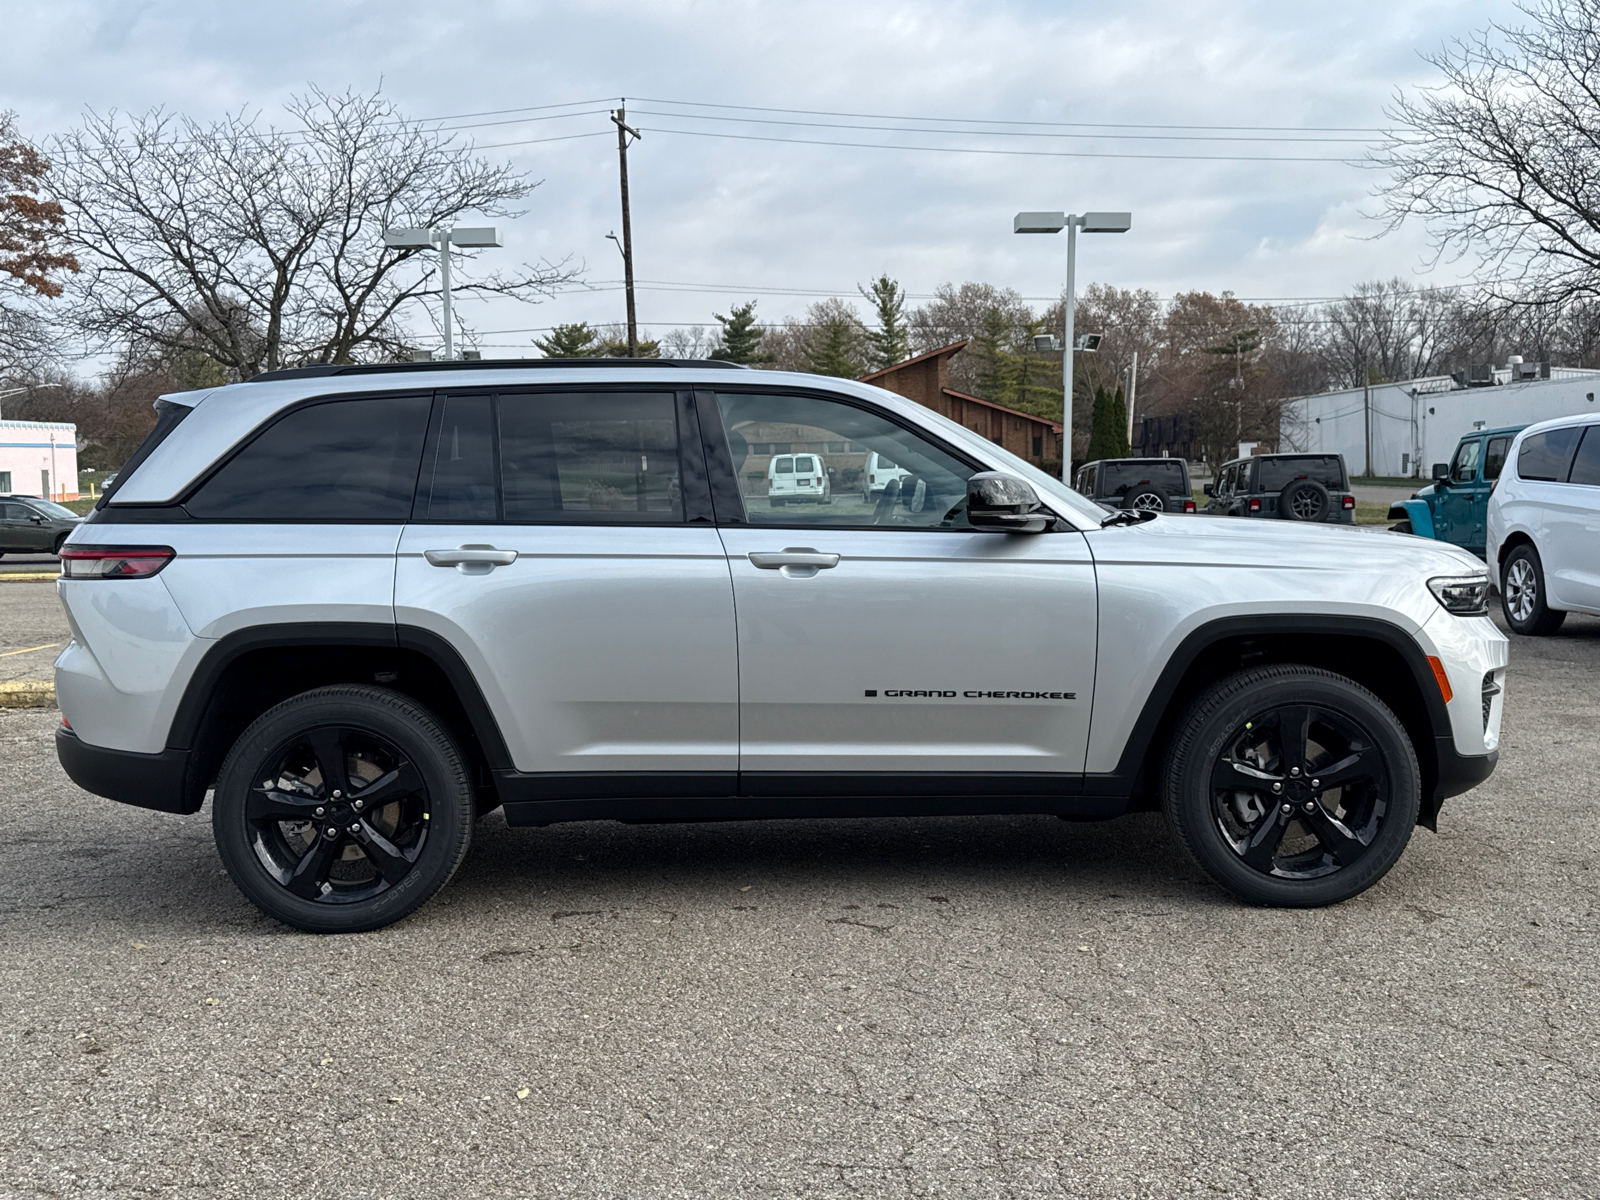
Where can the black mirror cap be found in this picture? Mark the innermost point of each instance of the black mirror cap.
(1210, 489)
(1441, 472)
(1004, 503)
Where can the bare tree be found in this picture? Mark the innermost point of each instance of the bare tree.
(1383, 331)
(1500, 159)
(263, 248)
(33, 256)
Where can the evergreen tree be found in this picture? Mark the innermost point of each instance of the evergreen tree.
(1108, 430)
(617, 347)
(1038, 378)
(741, 337)
(890, 342)
(833, 346)
(997, 370)
(576, 340)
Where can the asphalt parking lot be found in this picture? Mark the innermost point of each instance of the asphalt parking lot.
(992, 1007)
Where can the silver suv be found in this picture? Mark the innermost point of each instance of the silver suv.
(367, 605)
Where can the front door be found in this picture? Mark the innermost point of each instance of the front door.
(1461, 506)
(885, 636)
(563, 545)
(20, 527)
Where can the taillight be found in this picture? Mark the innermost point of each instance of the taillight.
(1349, 501)
(1255, 505)
(114, 562)
(1188, 506)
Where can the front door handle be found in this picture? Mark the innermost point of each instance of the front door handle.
(793, 556)
(471, 560)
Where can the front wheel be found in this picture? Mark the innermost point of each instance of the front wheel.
(343, 809)
(1400, 527)
(1292, 786)
(1522, 595)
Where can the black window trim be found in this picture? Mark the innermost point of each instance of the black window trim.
(729, 500)
(696, 500)
(1590, 430)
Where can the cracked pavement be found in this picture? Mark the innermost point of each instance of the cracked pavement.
(973, 1007)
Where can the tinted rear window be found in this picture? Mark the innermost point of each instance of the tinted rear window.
(1122, 479)
(1548, 456)
(1586, 466)
(1277, 473)
(341, 460)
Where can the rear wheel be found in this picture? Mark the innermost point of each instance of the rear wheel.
(1522, 595)
(343, 809)
(1292, 786)
(60, 541)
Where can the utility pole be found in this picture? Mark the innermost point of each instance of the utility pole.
(1133, 390)
(1366, 411)
(619, 118)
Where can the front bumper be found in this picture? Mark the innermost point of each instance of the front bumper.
(155, 781)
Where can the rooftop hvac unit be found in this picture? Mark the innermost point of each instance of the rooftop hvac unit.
(1480, 375)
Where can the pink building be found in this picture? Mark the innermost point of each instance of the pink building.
(39, 458)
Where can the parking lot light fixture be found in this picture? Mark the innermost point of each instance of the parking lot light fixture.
(441, 238)
(1055, 222)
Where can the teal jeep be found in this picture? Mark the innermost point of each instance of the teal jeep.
(1453, 507)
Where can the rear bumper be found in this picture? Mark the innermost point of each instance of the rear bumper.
(153, 781)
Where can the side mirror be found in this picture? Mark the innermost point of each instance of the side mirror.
(1005, 504)
(36, 519)
(1441, 472)
(1210, 489)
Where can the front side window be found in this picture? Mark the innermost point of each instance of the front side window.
(927, 487)
(1464, 467)
(1547, 457)
(335, 461)
(1586, 465)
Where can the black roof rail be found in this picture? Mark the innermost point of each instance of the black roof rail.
(488, 364)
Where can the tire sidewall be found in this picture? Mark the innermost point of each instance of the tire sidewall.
(1286, 500)
(1543, 618)
(1209, 727)
(390, 716)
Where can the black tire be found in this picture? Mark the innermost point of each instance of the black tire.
(339, 865)
(776, 503)
(1146, 502)
(1266, 846)
(1400, 527)
(1522, 594)
(1304, 500)
(60, 541)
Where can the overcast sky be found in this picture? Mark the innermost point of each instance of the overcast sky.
(736, 215)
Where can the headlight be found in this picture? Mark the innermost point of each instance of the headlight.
(1464, 595)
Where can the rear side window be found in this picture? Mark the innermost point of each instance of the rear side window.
(1278, 473)
(335, 461)
(1586, 466)
(1547, 457)
(1494, 459)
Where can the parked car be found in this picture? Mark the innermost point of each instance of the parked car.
(877, 474)
(1543, 525)
(798, 478)
(358, 641)
(29, 525)
(1296, 487)
(1146, 484)
(1453, 507)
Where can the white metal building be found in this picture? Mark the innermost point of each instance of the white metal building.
(39, 458)
(1417, 422)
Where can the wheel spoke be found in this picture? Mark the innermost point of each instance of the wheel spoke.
(270, 804)
(1358, 764)
(311, 872)
(1336, 837)
(1234, 776)
(1261, 846)
(388, 859)
(394, 785)
(328, 745)
(1294, 731)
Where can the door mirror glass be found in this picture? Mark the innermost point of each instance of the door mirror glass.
(1004, 503)
(1441, 472)
(1210, 489)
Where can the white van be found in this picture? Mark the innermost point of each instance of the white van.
(798, 477)
(878, 474)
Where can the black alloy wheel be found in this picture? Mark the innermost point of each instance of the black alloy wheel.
(1292, 786)
(343, 809)
(1147, 502)
(1304, 500)
(1522, 595)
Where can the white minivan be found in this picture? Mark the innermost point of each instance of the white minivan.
(877, 474)
(1544, 524)
(798, 477)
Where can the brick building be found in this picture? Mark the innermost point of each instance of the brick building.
(926, 379)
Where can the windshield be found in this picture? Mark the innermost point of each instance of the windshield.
(52, 509)
(1121, 479)
(1277, 473)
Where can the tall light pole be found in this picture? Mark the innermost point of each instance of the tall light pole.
(1055, 222)
(441, 238)
(32, 387)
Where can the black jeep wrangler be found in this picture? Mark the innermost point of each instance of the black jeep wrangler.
(1148, 484)
(1296, 487)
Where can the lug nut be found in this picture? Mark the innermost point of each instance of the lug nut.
(353, 828)
(1292, 771)
(332, 832)
(1316, 783)
(320, 811)
(359, 804)
(1288, 808)
(1309, 805)
(1277, 787)
(337, 793)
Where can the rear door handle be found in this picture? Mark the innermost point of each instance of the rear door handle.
(793, 556)
(471, 560)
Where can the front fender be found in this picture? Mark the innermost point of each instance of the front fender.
(1415, 511)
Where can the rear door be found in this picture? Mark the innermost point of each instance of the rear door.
(1571, 548)
(886, 645)
(563, 544)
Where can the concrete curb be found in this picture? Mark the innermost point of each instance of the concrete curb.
(29, 576)
(27, 694)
